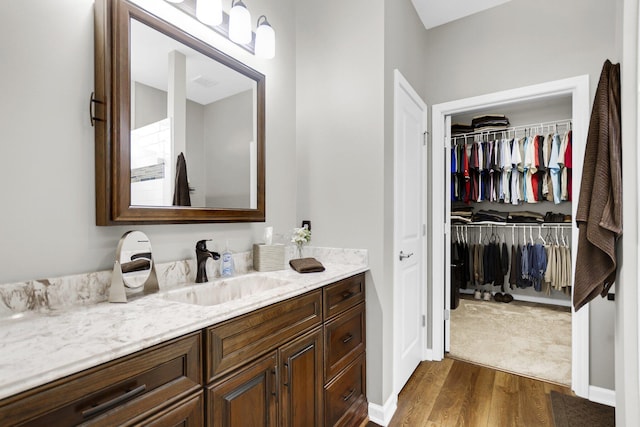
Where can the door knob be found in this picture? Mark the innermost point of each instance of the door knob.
(403, 255)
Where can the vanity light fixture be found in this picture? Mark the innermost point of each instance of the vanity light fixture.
(209, 11)
(265, 39)
(239, 23)
(236, 26)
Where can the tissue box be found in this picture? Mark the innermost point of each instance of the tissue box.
(268, 257)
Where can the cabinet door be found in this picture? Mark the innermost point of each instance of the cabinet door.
(188, 413)
(246, 398)
(301, 381)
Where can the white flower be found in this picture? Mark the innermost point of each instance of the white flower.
(301, 235)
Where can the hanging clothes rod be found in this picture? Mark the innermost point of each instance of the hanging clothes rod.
(541, 125)
(515, 225)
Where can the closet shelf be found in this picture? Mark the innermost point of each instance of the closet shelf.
(515, 224)
(532, 126)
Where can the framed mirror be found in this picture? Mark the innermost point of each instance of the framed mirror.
(179, 125)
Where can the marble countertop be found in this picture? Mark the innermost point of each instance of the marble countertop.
(36, 348)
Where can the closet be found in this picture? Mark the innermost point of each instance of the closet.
(511, 195)
(532, 220)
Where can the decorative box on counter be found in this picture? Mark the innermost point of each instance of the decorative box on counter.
(268, 257)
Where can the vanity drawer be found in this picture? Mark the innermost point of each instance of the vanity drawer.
(344, 339)
(342, 295)
(240, 340)
(122, 392)
(344, 398)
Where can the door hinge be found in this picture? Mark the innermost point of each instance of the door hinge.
(424, 137)
(446, 314)
(424, 320)
(424, 229)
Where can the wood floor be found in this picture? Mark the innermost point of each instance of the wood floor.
(456, 393)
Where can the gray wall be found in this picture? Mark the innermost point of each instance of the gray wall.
(345, 142)
(522, 43)
(229, 127)
(47, 220)
(339, 127)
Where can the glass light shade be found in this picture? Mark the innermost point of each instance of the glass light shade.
(240, 23)
(209, 11)
(265, 41)
(175, 1)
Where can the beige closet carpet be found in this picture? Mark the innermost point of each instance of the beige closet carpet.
(521, 339)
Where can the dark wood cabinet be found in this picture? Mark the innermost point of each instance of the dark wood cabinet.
(299, 362)
(187, 413)
(126, 391)
(247, 397)
(301, 381)
(344, 359)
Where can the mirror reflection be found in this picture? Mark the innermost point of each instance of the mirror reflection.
(193, 127)
(135, 259)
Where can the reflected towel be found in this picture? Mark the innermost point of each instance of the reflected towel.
(181, 190)
(306, 265)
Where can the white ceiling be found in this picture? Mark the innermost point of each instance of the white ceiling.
(438, 12)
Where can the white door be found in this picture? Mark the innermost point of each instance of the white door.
(446, 250)
(410, 122)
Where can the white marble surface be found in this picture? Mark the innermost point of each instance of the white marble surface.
(41, 345)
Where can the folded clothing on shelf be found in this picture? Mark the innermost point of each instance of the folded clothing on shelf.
(458, 128)
(489, 122)
(556, 217)
(526, 216)
(490, 215)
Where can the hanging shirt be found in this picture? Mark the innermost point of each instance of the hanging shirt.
(554, 168)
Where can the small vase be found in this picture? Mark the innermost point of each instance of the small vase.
(299, 247)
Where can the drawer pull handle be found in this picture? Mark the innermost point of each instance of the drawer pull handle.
(348, 396)
(113, 402)
(347, 339)
(347, 294)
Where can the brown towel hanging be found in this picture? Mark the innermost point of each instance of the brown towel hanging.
(181, 195)
(599, 213)
(306, 265)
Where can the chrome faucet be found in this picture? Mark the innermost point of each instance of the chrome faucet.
(202, 254)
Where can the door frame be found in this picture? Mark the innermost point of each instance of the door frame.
(401, 83)
(578, 88)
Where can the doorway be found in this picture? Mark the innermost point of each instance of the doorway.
(578, 89)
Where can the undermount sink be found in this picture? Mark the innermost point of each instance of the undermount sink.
(224, 290)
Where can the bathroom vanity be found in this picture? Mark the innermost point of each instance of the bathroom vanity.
(293, 356)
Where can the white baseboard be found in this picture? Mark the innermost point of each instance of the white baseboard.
(427, 354)
(381, 415)
(602, 395)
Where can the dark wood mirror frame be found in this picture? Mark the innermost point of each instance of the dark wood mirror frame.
(111, 112)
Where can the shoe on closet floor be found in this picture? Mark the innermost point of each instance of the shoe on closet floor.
(487, 296)
(507, 298)
(498, 297)
(477, 294)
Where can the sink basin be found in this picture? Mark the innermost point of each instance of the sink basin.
(225, 290)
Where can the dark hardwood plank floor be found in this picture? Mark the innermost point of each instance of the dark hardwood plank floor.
(457, 393)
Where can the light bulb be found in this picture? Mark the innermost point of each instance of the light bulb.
(265, 39)
(239, 23)
(209, 11)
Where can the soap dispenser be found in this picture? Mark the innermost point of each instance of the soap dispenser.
(226, 262)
